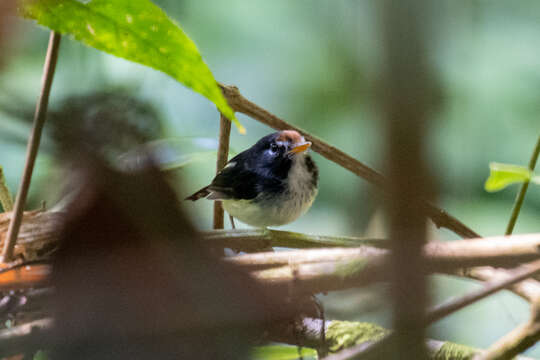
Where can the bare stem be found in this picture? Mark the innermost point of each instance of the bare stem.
(522, 191)
(222, 155)
(33, 144)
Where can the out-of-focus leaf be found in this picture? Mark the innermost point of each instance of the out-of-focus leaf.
(175, 153)
(502, 175)
(136, 30)
(187, 159)
(281, 352)
(40, 355)
(536, 179)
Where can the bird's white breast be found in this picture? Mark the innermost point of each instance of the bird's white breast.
(280, 209)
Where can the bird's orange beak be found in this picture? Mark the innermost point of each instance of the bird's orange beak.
(300, 148)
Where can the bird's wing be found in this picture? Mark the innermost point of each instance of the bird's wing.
(234, 182)
(241, 179)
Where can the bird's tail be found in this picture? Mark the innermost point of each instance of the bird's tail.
(204, 192)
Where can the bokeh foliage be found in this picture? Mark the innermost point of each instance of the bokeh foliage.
(314, 63)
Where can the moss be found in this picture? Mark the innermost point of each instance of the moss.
(343, 334)
(6, 200)
(451, 351)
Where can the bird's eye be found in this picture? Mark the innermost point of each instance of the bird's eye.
(274, 148)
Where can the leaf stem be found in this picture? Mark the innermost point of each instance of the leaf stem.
(33, 144)
(521, 195)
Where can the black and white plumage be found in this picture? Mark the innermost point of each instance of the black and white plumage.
(270, 184)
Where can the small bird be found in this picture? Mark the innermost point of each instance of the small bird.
(270, 184)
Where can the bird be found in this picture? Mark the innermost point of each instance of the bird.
(270, 184)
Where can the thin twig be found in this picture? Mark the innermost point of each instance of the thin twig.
(516, 341)
(222, 156)
(519, 274)
(240, 104)
(521, 195)
(528, 289)
(33, 144)
(6, 200)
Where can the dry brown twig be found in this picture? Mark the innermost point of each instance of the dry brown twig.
(33, 145)
(514, 276)
(222, 156)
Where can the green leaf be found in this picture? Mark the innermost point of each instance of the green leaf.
(136, 30)
(282, 352)
(502, 175)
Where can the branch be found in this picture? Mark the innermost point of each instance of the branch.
(519, 274)
(33, 145)
(23, 276)
(521, 195)
(222, 155)
(38, 233)
(326, 269)
(517, 341)
(321, 270)
(344, 335)
(257, 239)
(528, 289)
(441, 256)
(240, 104)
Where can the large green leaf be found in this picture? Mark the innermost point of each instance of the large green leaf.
(136, 30)
(502, 175)
(281, 352)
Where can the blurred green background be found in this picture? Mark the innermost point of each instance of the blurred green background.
(315, 63)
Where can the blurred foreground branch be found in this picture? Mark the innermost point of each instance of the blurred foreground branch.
(340, 335)
(40, 230)
(310, 270)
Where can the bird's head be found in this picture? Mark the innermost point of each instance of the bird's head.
(278, 151)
